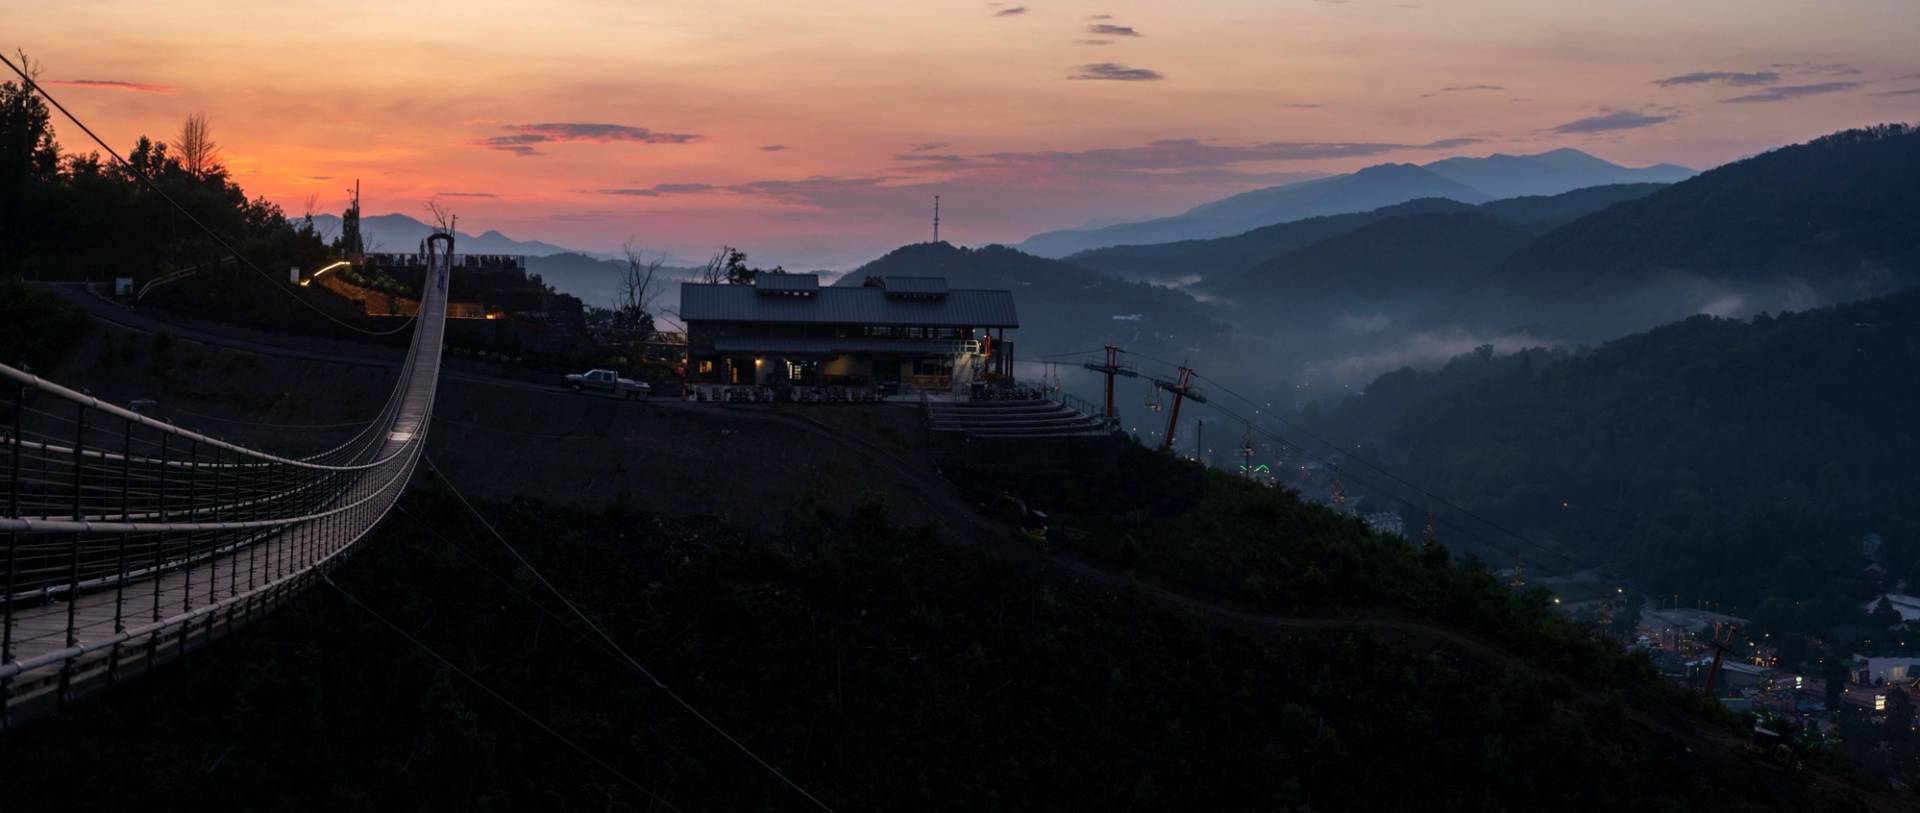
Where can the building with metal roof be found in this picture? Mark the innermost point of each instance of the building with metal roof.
(896, 333)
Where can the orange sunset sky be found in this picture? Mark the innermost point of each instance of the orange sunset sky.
(815, 134)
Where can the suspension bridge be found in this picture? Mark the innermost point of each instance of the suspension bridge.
(132, 541)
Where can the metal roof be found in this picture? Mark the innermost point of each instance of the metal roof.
(786, 283)
(915, 286)
(835, 305)
(829, 347)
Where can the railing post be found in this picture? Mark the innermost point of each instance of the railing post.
(73, 560)
(13, 545)
(120, 584)
(159, 554)
(193, 492)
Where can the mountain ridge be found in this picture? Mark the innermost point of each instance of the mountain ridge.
(1553, 172)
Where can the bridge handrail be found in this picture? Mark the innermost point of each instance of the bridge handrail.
(42, 385)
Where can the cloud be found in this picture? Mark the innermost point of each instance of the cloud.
(773, 147)
(1115, 72)
(524, 137)
(1463, 88)
(1304, 105)
(1829, 68)
(932, 158)
(1099, 16)
(1093, 42)
(1784, 92)
(1108, 30)
(1609, 121)
(1731, 78)
(465, 195)
(927, 146)
(1011, 12)
(108, 84)
(1907, 92)
(818, 190)
(1450, 143)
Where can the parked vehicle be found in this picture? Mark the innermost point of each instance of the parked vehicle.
(610, 383)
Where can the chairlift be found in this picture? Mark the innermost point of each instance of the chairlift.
(1153, 397)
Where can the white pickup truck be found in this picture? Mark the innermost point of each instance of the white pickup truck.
(608, 382)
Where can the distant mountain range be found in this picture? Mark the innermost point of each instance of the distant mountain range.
(400, 233)
(1190, 261)
(1839, 216)
(1466, 180)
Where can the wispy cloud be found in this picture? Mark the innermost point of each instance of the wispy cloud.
(1466, 88)
(108, 84)
(1785, 92)
(1450, 143)
(1093, 42)
(1011, 12)
(1115, 72)
(818, 190)
(926, 146)
(773, 147)
(465, 195)
(1099, 16)
(1609, 121)
(1110, 30)
(524, 137)
(1907, 92)
(1732, 78)
(1304, 105)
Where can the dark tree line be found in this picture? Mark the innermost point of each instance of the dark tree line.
(82, 215)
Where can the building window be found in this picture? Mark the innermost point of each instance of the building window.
(706, 365)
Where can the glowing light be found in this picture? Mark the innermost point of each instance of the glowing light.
(316, 275)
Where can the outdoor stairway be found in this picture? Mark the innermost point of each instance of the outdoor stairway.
(1036, 418)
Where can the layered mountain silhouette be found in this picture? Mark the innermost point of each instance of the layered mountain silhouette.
(401, 233)
(1840, 215)
(1222, 258)
(1467, 180)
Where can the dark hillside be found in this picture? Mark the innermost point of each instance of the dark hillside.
(1840, 214)
(1742, 462)
(1410, 257)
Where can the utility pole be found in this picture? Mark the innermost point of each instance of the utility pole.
(1200, 440)
(1112, 368)
(1182, 389)
(1246, 452)
(936, 218)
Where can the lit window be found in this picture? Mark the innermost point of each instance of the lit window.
(706, 365)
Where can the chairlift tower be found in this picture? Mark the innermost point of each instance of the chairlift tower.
(1113, 367)
(1183, 390)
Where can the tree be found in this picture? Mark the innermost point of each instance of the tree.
(639, 287)
(1899, 715)
(729, 266)
(198, 153)
(27, 148)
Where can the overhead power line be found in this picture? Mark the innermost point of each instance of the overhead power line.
(496, 695)
(629, 659)
(155, 188)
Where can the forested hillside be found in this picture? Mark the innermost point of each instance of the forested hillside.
(1737, 461)
(1838, 214)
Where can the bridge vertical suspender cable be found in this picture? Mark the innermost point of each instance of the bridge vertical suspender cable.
(624, 655)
